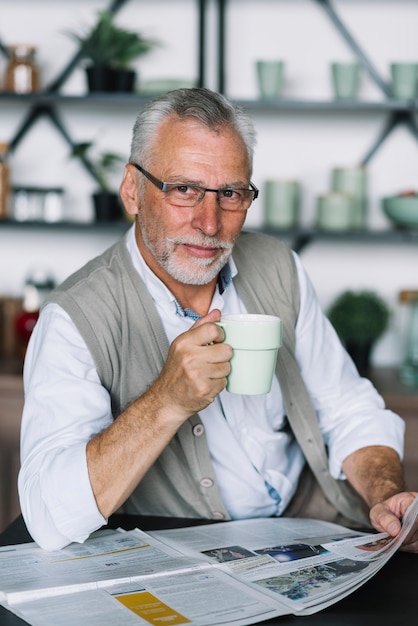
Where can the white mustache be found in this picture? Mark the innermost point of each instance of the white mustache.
(205, 242)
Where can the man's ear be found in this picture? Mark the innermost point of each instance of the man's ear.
(129, 190)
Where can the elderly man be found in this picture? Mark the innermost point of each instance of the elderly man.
(125, 375)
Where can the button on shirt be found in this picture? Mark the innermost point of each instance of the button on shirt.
(256, 460)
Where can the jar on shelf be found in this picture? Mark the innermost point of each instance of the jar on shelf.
(37, 204)
(22, 73)
(409, 365)
(4, 181)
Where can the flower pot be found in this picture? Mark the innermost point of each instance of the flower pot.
(99, 78)
(107, 207)
(102, 78)
(123, 80)
(360, 353)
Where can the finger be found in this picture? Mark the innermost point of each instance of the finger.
(218, 364)
(209, 331)
(212, 316)
(384, 520)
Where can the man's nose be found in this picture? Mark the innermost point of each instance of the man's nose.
(207, 214)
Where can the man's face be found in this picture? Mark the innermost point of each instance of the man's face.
(191, 244)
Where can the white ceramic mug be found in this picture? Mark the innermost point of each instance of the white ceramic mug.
(255, 340)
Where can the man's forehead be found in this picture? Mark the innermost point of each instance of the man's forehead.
(192, 140)
(173, 124)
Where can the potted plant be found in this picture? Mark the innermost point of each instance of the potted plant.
(359, 318)
(110, 50)
(107, 204)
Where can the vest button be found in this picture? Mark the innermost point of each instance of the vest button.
(198, 430)
(218, 515)
(206, 482)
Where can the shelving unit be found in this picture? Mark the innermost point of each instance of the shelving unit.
(43, 103)
(118, 226)
(47, 103)
(399, 112)
(44, 98)
(302, 237)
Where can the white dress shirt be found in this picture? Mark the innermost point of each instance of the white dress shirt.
(257, 464)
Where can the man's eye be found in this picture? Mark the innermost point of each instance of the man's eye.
(231, 194)
(186, 190)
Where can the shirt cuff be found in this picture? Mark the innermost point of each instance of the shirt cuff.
(390, 433)
(66, 488)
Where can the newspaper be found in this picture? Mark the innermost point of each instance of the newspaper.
(234, 573)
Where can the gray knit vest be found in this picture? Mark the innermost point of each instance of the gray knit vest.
(113, 311)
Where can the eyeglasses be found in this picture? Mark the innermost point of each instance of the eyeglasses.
(187, 195)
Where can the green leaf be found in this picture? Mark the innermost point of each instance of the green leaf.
(108, 44)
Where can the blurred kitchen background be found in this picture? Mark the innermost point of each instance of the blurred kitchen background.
(305, 133)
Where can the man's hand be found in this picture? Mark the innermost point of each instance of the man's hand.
(376, 474)
(387, 516)
(196, 369)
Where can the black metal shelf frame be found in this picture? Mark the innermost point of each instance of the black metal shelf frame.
(300, 238)
(399, 112)
(44, 98)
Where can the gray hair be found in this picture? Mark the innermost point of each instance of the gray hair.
(209, 108)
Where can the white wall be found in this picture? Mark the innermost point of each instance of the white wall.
(304, 145)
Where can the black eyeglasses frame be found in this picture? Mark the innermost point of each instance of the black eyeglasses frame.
(163, 186)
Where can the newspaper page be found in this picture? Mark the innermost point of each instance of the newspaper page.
(235, 573)
(27, 571)
(306, 564)
(120, 577)
(196, 598)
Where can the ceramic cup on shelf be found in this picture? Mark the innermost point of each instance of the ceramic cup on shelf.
(345, 80)
(281, 203)
(270, 75)
(353, 181)
(404, 80)
(335, 211)
(255, 340)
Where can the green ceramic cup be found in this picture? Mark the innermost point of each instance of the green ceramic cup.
(255, 340)
(404, 80)
(345, 80)
(270, 79)
(335, 211)
(353, 181)
(281, 203)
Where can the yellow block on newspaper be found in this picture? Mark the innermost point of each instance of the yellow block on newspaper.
(151, 609)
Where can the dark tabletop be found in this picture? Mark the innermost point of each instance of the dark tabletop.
(388, 599)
